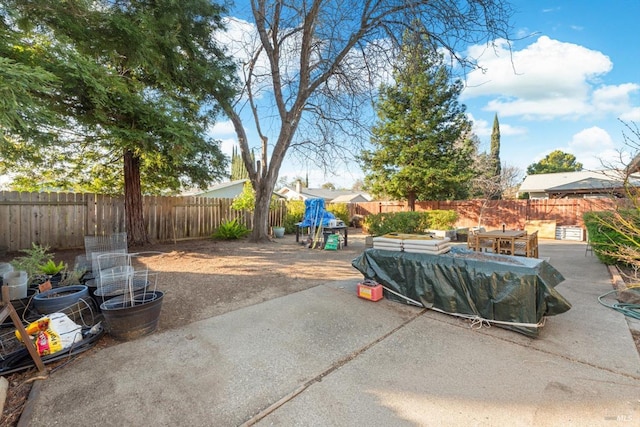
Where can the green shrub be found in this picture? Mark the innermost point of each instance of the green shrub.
(51, 268)
(245, 200)
(295, 214)
(442, 220)
(340, 210)
(396, 222)
(614, 235)
(409, 222)
(231, 230)
(33, 259)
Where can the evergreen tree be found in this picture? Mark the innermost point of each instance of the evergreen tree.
(135, 85)
(556, 161)
(238, 170)
(495, 147)
(494, 155)
(422, 141)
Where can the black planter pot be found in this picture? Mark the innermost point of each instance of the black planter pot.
(127, 320)
(57, 299)
(55, 279)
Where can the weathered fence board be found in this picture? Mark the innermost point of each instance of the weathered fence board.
(61, 220)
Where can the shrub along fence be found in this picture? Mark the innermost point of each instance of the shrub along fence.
(493, 213)
(61, 220)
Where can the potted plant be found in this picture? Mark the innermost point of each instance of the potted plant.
(31, 262)
(53, 271)
(58, 299)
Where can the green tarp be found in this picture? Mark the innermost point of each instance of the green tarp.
(515, 290)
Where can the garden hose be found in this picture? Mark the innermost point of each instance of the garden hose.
(629, 310)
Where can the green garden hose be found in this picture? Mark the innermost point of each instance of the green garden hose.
(629, 310)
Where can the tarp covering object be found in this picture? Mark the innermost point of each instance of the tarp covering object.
(515, 290)
(315, 214)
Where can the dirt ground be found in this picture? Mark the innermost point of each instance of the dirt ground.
(205, 278)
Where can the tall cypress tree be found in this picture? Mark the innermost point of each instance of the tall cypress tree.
(238, 169)
(495, 147)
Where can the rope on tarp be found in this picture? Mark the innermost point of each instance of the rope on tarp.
(477, 322)
(629, 310)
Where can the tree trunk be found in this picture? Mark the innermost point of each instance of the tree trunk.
(411, 200)
(260, 232)
(136, 230)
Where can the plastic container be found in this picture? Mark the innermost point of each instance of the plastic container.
(5, 267)
(370, 290)
(16, 281)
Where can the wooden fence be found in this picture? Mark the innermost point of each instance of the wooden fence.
(513, 213)
(61, 220)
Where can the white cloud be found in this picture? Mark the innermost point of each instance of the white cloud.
(546, 79)
(614, 98)
(483, 128)
(222, 129)
(240, 39)
(593, 147)
(632, 115)
(591, 140)
(508, 130)
(226, 146)
(223, 132)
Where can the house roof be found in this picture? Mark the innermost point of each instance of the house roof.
(586, 185)
(567, 181)
(324, 193)
(337, 196)
(222, 186)
(348, 198)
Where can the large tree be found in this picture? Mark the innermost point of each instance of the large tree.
(556, 161)
(422, 145)
(137, 88)
(312, 61)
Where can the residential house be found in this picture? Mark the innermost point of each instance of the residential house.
(224, 190)
(329, 196)
(569, 185)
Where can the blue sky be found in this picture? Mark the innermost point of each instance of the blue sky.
(575, 76)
